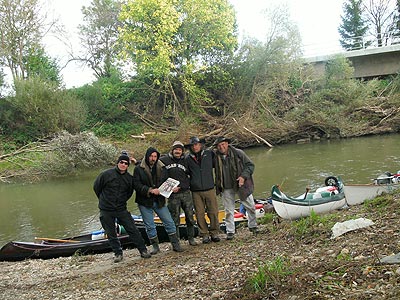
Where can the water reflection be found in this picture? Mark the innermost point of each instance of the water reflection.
(68, 207)
(355, 160)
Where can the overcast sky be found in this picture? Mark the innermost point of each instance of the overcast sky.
(317, 21)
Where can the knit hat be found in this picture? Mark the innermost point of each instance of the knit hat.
(177, 144)
(125, 157)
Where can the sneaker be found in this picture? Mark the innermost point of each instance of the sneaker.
(118, 258)
(192, 242)
(145, 254)
(206, 240)
(230, 236)
(215, 239)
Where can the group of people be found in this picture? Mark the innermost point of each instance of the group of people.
(202, 174)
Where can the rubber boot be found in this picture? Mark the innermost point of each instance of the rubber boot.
(154, 242)
(190, 232)
(144, 253)
(177, 233)
(176, 246)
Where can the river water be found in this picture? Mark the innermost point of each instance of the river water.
(67, 207)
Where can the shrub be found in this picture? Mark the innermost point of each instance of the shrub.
(40, 109)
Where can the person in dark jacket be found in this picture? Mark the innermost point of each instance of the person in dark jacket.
(113, 188)
(200, 164)
(233, 174)
(175, 167)
(147, 177)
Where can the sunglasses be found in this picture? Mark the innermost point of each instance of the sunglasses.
(124, 163)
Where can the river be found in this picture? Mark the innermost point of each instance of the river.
(67, 207)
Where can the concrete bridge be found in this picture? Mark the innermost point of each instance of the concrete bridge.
(367, 63)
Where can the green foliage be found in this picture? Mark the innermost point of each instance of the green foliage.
(379, 203)
(39, 109)
(99, 35)
(354, 26)
(314, 224)
(344, 256)
(275, 273)
(117, 131)
(267, 218)
(106, 100)
(39, 64)
(173, 42)
(267, 73)
(338, 69)
(22, 26)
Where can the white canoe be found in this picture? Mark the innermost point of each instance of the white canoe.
(358, 193)
(323, 200)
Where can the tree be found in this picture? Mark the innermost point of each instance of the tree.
(174, 42)
(39, 64)
(267, 71)
(353, 27)
(380, 15)
(22, 27)
(394, 28)
(99, 35)
(40, 108)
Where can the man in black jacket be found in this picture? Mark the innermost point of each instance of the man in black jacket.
(147, 178)
(175, 166)
(200, 163)
(113, 188)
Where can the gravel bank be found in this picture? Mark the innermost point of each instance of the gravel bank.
(321, 268)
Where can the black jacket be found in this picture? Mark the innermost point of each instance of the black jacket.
(113, 189)
(145, 178)
(176, 168)
(200, 167)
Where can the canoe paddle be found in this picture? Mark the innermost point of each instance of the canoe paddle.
(56, 240)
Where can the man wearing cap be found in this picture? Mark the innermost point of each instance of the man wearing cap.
(147, 178)
(175, 167)
(113, 188)
(233, 174)
(200, 163)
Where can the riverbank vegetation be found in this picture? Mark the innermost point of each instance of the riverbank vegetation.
(191, 78)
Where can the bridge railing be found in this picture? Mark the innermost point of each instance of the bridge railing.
(358, 43)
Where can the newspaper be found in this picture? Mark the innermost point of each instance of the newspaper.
(167, 187)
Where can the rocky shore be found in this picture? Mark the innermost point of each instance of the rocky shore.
(319, 267)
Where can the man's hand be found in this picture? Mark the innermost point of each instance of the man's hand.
(155, 191)
(176, 189)
(240, 181)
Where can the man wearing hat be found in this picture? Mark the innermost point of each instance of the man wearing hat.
(233, 174)
(175, 167)
(200, 163)
(113, 188)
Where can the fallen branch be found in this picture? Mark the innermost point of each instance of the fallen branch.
(142, 136)
(25, 149)
(256, 135)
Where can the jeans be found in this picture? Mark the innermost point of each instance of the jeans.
(228, 199)
(107, 220)
(148, 219)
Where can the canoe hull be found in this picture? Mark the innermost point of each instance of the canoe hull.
(323, 200)
(82, 245)
(293, 212)
(358, 193)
